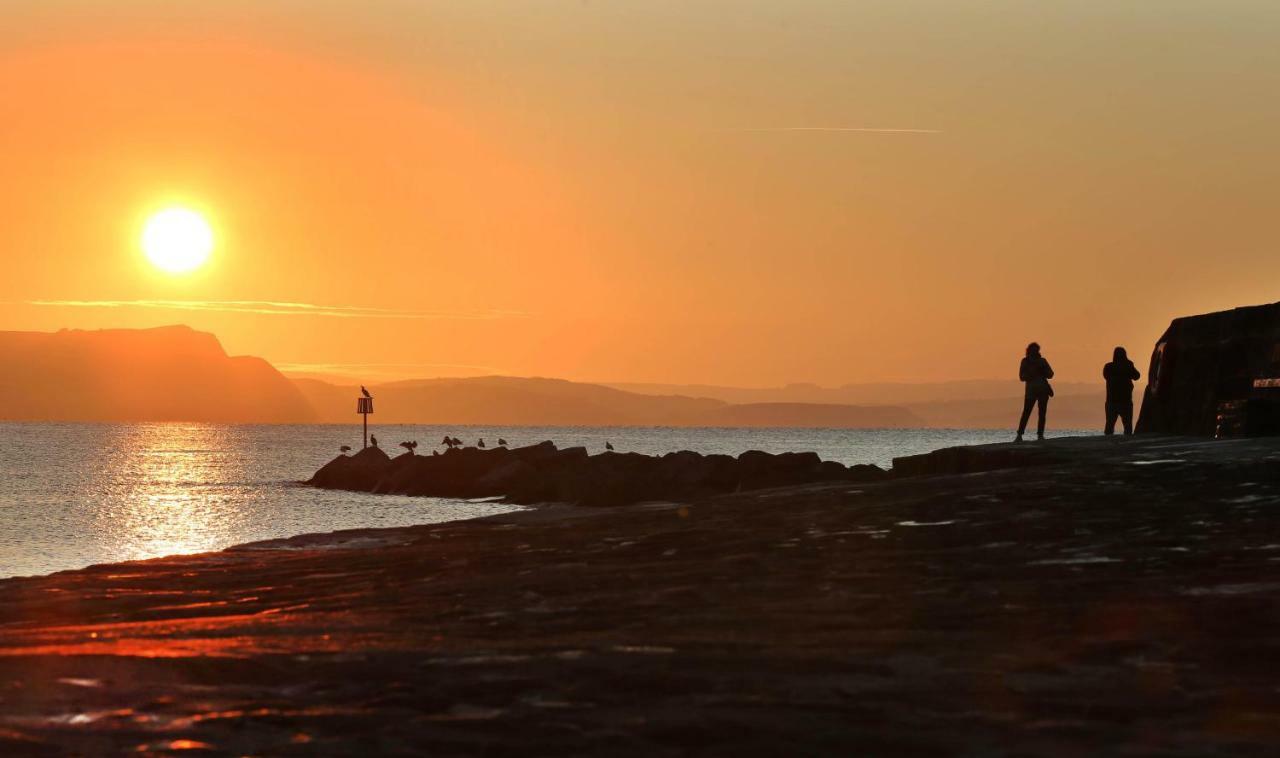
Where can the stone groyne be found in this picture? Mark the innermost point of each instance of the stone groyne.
(544, 473)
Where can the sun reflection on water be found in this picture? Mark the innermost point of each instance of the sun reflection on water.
(165, 491)
(72, 495)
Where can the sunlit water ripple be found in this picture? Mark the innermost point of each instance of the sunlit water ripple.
(72, 495)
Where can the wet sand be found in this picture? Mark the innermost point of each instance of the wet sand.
(1103, 597)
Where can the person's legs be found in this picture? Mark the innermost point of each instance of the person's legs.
(1027, 402)
(1043, 400)
(1112, 414)
(1126, 417)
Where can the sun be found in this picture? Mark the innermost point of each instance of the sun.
(177, 240)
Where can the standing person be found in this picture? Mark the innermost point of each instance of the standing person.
(1120, 374)
(1036, 372)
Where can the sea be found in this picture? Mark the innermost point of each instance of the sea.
(73, 495)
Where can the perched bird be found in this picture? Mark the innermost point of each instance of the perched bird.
(373, 440)
(410, 446)
(480, 443)
(608, 446)
(365, 392)
(457, 442)
(502, 442)
(345, 449)
(447, 442)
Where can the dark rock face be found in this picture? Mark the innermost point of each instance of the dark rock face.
(1216, 374)
(353, 472)
(544, 473)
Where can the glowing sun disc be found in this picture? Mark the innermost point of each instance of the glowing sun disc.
(177, 240)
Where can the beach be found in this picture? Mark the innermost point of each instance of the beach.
(1099, 595)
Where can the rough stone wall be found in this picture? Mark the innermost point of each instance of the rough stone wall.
(1210, 375)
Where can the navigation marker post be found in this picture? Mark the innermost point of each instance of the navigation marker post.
(364, 406)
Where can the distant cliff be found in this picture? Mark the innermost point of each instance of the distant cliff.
(171, 373)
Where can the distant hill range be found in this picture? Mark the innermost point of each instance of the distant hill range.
(178, 374)
(504, 400)
(962, 404)
(880, 393)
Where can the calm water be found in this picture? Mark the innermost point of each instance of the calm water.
(76, 494)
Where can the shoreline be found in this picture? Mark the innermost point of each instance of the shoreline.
(319, 538)
(247, 471)
(305, 540)
(1118, 598)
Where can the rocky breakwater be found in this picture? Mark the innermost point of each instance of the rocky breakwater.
(544, 473)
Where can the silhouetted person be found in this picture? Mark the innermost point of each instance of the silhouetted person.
(1120, 374)
(1036, 373)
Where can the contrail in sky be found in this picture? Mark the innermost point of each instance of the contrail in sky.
(863, 129)
(276, 308)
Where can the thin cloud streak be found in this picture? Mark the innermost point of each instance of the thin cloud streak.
(861, 129)
(320, 368)
(276, 308)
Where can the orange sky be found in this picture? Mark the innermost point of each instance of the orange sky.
(646, 191)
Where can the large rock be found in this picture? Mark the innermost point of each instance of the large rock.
(360, 472)
(1216, 374)
(760, 470)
